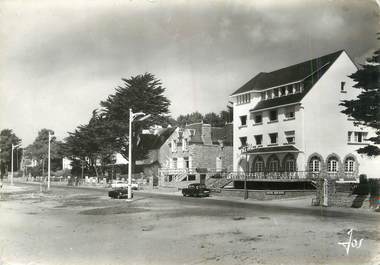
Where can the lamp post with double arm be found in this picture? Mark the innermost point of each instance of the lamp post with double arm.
(132, 117)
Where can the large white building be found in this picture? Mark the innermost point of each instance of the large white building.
(288, 123)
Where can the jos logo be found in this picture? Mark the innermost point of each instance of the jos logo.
(351, 242)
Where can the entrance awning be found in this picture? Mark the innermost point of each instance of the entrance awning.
(271, 149)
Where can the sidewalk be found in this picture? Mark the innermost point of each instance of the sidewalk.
(295, 203)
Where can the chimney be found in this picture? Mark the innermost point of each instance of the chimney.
(206, 134)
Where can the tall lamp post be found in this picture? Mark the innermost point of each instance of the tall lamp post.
(132, 117)
(48, 183)
(13, 147)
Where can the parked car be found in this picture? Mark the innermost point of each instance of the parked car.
(123, 184)
(119, 193)
(196, 190)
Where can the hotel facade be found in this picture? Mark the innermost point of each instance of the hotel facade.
(288, 123)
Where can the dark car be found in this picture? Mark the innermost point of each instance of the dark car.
(119, 193)
(196, 190)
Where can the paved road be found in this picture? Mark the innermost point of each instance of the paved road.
(84, 226)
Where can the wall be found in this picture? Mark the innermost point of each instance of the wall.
(263, 194)
(204, 156)
(325, 126)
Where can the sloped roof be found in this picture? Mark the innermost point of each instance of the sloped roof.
(222, 133)
(290, 74)
(152, 141)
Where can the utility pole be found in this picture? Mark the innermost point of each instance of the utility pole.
(48, 184)
(132, 116)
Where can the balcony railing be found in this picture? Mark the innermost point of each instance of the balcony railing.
(293, 175)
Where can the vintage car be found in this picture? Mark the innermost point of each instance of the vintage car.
(119, 193)
(122, 184)
(196, 190)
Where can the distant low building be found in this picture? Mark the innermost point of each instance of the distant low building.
(66, 164)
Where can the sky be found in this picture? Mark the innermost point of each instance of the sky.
(59, 59)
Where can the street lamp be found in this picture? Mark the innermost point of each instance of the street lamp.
(132, 117)
(13, 147)
(48, 184)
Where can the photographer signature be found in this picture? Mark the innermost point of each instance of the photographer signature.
(351, 242)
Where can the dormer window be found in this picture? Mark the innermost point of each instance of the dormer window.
(269, 94)
(290, 89)
(342, 89)
(276, 92)
(243, 99)
(297, 88)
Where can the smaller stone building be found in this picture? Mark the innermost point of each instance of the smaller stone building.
(194, 153)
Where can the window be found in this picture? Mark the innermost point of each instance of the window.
(273, 138)
(283, 91)
(356, 137)
(276, 92)
(297, 88)
(349, 164)
(263, 97)
(289, 89)
(174, 145)
(315, 164)
(290, 164)
(243, 141)
(184, 144)
(273, 115)
(191, 177)
(269, 94)
(342, 84)
(186, 162)
(258, 118)
(273, 164)
(360, 137)
(219, 163)
(349, 137)
(174, 163)
(259, 164)
(332, 165)
(243, 99)
(290, 137)
(243, 120)
(289, 112)
(259, 139)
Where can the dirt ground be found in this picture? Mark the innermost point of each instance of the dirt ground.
(68, 226)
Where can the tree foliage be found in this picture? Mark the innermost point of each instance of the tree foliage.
(7, 138)
(216, 120)
(141, 93)
(93, 145)
(365, 109)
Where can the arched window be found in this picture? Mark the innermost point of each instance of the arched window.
(273, 164)
(259, 164)
(289, 163)
(315, 164)
(349, 164)
(332, 164)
